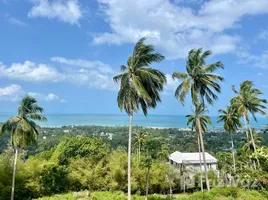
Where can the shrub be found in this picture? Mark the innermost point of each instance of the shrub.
(202, 196)
(225, 191)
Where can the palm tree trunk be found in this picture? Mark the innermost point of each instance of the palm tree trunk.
(129, 156)
(245, 121)
(253, 142)
(199, 151)
(170, 190)
(147, 183)
(203, 152)
(233, 152)
(139, 151)
(14, 173)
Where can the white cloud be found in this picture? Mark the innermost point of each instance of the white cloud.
(16, 22)
(67, 11)
(29, 71)
(175, 28)
(171, 85)
(93, 74)
(183, 2)
(245, 57)
(49, 97)
(12, 93)
(105, 68)
(259, 74)
(263, 35)
(15, 93)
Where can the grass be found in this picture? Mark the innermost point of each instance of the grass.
(226, 193)
(101, 196)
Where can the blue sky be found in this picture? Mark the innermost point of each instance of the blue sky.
(65, 52)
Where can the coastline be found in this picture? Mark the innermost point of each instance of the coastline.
(115, 120)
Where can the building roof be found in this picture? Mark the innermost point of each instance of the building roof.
(191, 158)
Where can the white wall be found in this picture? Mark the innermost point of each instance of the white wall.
(196, 167)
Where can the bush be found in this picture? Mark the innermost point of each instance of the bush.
(202, 196)
(117, 195)
(226, 192)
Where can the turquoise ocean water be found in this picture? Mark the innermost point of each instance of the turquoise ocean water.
(160, 121)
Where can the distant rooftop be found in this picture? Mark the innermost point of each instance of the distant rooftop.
(190, 158)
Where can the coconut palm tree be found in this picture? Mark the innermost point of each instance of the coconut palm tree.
(164, 153)
(140, 87)
(249, 149)
(248, 102)
(200, 81)
(139, 138)
(23, 129)
(204, 121)
(231, 124)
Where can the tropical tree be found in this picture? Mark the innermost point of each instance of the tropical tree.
(23, 129)
(203, 118)
(248, 145)
(248, 102)
(231, 124)
(200, 81)
(139, 138)
(204, 121)
(164, 153)
(147, 164)
(140, 87)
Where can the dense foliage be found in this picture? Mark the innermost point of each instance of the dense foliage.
(78, 163)
(215, 194)
(175, 139)
(89, 159)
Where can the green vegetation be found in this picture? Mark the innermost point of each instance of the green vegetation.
(225, 193)
(202, 84)
(140, 86)
(95, 159)
(23, 129)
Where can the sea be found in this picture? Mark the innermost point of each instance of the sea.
(154, 121)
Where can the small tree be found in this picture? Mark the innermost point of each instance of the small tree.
(231, 125)
(23, 129)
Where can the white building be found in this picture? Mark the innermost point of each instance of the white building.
(191, 161)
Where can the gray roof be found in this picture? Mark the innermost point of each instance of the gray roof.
(191, 158)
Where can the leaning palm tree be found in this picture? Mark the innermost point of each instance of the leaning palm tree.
(204, 121)
(231, 124)
(248, 102)
(249, 149)
(139, 138)
(23, 129)
(140, 87)
(201, 83)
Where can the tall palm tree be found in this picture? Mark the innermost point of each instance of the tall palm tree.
(248, 102)
(139, 138)
(140, 86)
(200, 81)
(23, 129)
(231, 124)
(204, 121)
